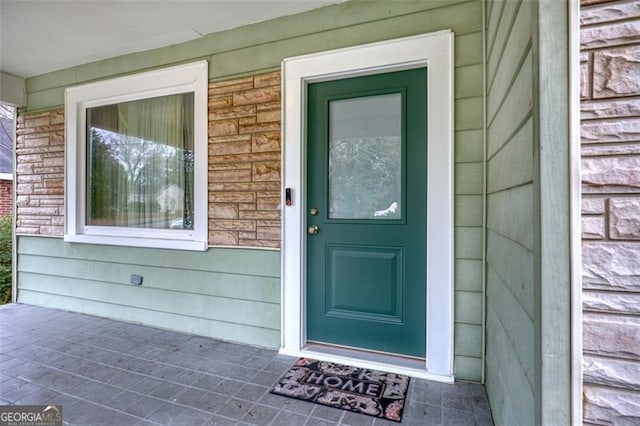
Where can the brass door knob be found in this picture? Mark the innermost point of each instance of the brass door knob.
(313, 229)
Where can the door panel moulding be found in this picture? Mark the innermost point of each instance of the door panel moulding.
(435, 52)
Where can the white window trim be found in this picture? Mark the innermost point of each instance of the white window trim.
(435, 52)
(191, 77)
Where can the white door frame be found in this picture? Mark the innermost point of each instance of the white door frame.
(435, 52)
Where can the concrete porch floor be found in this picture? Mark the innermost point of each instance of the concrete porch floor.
(114, 373)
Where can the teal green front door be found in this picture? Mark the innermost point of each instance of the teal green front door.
(366, 212)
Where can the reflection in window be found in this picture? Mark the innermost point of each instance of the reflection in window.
(365, 157)
(140, 163)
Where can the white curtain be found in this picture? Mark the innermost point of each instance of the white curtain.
(141, 172)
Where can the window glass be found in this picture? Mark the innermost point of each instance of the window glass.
(140, 163)
(365, 157)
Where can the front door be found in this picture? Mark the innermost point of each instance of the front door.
(366, 212)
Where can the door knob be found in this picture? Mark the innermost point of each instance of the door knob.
(313, 229)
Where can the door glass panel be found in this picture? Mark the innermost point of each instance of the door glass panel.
(365, 157)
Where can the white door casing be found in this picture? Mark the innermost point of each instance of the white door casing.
(435, 52)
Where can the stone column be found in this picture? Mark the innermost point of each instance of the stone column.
(610, 133)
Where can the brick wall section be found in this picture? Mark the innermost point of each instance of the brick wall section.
(6, 197)
(610, 113)
(40, 173)
(244, 165)
(244, 161)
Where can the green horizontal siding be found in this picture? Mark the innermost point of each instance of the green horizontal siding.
(510, 213)
(229, 294)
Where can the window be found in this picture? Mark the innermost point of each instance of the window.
(137, 160)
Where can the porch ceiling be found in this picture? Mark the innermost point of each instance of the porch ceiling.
(41, 36)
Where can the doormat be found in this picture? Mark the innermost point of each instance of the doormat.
(360, 390)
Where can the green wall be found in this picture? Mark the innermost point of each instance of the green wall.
(230, 294)
(510, 357)
(261, 47)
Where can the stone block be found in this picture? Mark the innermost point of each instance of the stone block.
(223, 127)
(233, 225)
(223, 101)
(53, 161)
(260, 214)
(226, 139)
(616, 72)
(260, 127)
(57, 116)
(247, 120)
(234, 112)
(610, 150)
(27, 230)
(624, 219)
(268, 203)
(230, 82)
(37, 120)
(247, 235)
(593, 206)
(617, 108)
(585, 81)
(604, 406)
(613, 302)
(233, 175)
(268, 233)
(266, 171)
(269, 116)
(223, 211)
(613, 34)
(593, 227)
(268, 223)
(232, 197)
(591, 2)
(35, 142)
(610, 335)
(24, 189)
(223, 238)
(245, 158)
(611, 265)
(611, 174)
(247, 206)
(216, 89)
(613, 11)
(269, 79)
(53, 231)
(38, 211)
(611, 130)
(257, 96)
(24, 168)
(265, 142)
(611, 372)
(266, 106)
(56, 139)
(225, 148)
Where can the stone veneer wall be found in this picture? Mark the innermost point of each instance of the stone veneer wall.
(40, 173)
(244, 161)
(244, 165)
(610, 133)
(6, 197)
